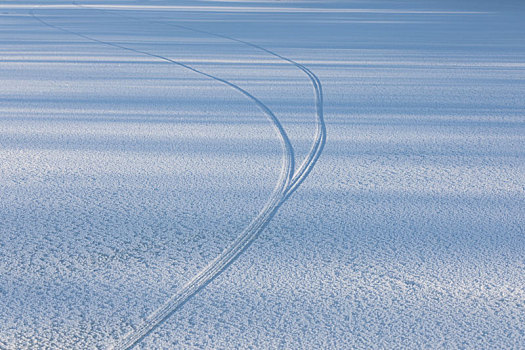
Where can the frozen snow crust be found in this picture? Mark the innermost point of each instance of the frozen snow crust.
(123, 174)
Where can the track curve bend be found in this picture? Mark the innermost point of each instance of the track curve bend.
(289, 180)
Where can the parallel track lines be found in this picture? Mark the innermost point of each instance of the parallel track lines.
(289, 180)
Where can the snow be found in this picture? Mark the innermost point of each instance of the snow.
(123, 175)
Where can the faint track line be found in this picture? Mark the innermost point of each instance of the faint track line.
(289, 180)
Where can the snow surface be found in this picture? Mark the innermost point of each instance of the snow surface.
(123, 175)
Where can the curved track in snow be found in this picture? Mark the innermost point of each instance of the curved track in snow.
(320, 137)
(288, 182)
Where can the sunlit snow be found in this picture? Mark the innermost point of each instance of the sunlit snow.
(224, 174)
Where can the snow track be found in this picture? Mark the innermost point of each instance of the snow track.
(290, 179)
(320, 136)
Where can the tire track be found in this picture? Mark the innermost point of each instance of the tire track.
(288, 182)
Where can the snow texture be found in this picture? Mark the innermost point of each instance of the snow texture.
(140, 141)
